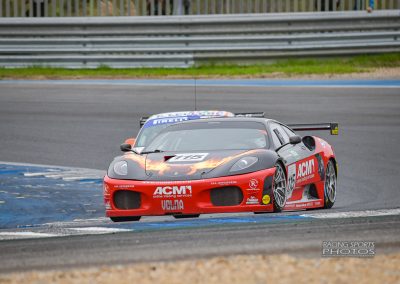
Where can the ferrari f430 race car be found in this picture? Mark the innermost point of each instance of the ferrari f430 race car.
(223, 165)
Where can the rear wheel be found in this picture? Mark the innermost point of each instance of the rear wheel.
(125, 219)
(279, 188)
(183, 216)
(330, 185)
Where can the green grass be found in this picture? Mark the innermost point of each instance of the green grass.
(289, 67)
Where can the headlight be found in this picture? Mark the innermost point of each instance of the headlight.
(244, 163)
(121, 168)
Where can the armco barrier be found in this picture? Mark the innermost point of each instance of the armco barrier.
(181, 41)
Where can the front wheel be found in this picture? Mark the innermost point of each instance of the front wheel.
(125, 219)
(279, 188)
(330, 185)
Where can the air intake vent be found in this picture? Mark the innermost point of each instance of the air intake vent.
(126, 199)
(226, 196)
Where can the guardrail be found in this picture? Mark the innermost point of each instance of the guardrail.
(181, 41)
(104, 8)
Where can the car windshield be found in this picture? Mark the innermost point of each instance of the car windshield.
(147, 134)
(211, 135)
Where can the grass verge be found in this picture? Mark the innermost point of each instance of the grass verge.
(288, 67)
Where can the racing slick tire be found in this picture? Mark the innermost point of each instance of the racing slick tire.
(279, 188)
(125, 219)
(330, 185)
(183, 216)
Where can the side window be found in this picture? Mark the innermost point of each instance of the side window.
(289, 132)
(275, 138)
(279, 135)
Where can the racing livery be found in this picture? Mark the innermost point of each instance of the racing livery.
(223, 165)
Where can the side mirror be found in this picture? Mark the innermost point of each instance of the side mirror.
(130, 141)
(126, 147)
(295, 139)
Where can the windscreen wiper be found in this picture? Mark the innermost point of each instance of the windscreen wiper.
(154, 151)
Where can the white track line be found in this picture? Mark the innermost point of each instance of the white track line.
(68, 231)
(24, 235)
(354, 214)
(99, 230)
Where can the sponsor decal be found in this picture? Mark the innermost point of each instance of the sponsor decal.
(172, 205)
(191, 114)
(291, 180)
(169, 120)
(224, 182)
(167, 182)
(305, 171)
(253, 183)
(303, 205)
(107, 205)
(124, 186)
(173, 191)
(189, 157)
(294, 153)
(266, 199)
(252, 200)
(253, 189)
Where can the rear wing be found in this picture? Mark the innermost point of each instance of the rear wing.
(333, 127)
(250, 114)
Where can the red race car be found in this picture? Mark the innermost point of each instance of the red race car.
(223, 165)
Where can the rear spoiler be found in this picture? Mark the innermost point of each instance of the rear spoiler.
(333, 127)
(250, 114)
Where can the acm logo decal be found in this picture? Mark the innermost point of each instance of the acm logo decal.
(173, 191)
(305, 170)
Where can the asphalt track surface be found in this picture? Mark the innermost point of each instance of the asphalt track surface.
(82, 125)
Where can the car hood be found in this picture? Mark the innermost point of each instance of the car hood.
(174, 166)
(188, 165)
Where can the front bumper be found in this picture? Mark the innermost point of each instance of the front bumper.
(190, 197)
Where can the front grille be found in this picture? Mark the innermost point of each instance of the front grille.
(126, 199)
(226, 196)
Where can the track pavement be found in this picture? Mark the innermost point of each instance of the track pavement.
(81, 124)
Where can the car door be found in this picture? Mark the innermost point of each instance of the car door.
(301, 163)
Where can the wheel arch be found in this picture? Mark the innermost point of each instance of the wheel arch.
(280, 161)
(333, 159)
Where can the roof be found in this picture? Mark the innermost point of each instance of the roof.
(235, 119)
(182, 116)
